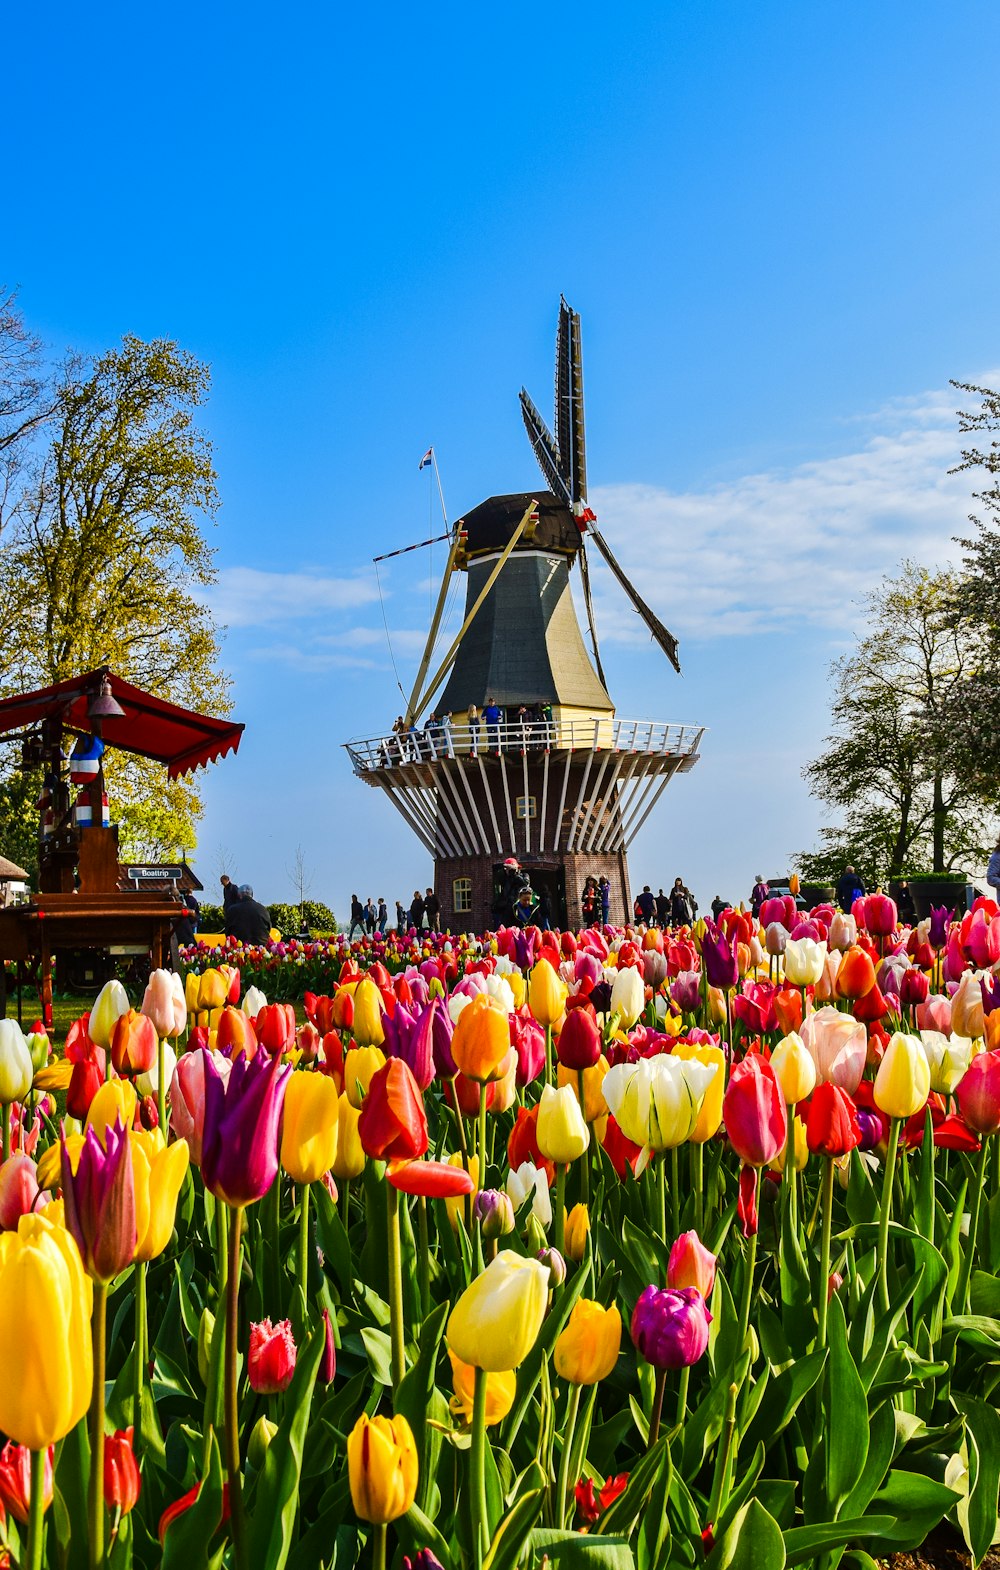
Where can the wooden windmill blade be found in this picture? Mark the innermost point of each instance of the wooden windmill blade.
(546, 452)
(665, 638)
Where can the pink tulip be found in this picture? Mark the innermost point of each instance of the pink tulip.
(691, 1264)
(876, 912)
(838, 1045)
(843, 932)
(954, 956)
(935, 1014)
(187, 1098)
(778, 911)
(978, 1093)
(754, 1112)
(158, 1002)
(18, 1191)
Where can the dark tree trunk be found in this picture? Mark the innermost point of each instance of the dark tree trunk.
(940, 819)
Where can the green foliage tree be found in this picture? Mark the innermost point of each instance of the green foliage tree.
(978, 719)
(895, 770)
(106, 558)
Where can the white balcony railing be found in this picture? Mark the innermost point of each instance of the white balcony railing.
(446, 740)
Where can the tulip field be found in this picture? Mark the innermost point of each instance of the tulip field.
(626, 1249)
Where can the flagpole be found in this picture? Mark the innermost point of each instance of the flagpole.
(437, 476)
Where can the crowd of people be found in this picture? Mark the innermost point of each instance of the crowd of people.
(442, 735)
(371, 917)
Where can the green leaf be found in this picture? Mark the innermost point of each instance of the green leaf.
(583, 1551)
(277, 1499)
(512, 1534)
(379, 1349)
(797, 1316)
(413, 1399)
(983, 1427)
(781, 1401)
(846, 1414)
(622, 1514)
(654, 1529)
(751, 1541)
(530, 1370)
(333, 1236)
(881, 1447)
(71, 1471)
(418, 1531)
(803, 1543)
(189, 1536)
(918, 1504)
(985, 1294)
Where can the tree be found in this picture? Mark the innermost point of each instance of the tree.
(895, 767)
(979, 714)
(106, 557)
(301, 879)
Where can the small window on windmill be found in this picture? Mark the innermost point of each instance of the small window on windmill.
(527, 807)
(461, 895)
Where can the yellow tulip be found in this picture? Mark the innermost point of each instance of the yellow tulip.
(114, 1103)
(481, 1040)
(518, 986)
(587, 1349)
(710, 1114)
(496, 1321)
(111, 1001)
(49, 1173)
(213, 989)
(576, 1232)
(456, 1206)
(967, 1012)
(360, 1066)
(594, 1104)
(192, 982)
(310, 1127)
(801, 1150)
(500, 1391)
(54, 1076)
(903, 1081)
(794, 1068)
(382, 1468)
(547, 994)
(349, 1156)
(45, 1307)
(562, 1134)
(804, 961)
(158, 1171)
(368, 1006)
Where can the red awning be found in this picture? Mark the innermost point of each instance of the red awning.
(150, 726)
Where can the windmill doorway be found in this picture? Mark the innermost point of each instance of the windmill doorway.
(548, 886)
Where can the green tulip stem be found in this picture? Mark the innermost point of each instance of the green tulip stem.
(661, 1192)
(654, 1417)
(378, 1546)
(565, 1481)
(482, 1136)
(423, 1243)
(36, 1511)
(748, 1267)
(682, 1395)
(6, 1130)
(477, 1457)
(824, 1250)
(161, 1085)
(95, 1489)
(697, 1157)
(221, 1245)
(345, 1202)
(790, 1174)
(304, 1244)
(139, 1367)
(675, 1192)
(395, 1290)
(886, 1212)
(548, 1054)
(968, 1258)
(560, 1215)
(232, 1390)
(585, 1162)
(723, 1457)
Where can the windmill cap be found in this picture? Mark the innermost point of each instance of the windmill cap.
(490, 525)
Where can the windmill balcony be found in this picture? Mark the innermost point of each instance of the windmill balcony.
(653, 743)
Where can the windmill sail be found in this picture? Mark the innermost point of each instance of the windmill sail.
(562, 459)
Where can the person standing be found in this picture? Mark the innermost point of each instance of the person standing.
(681, 914)
(589, 902)
(432, 910)
(993, 870)
(417, 910)
(246, 919)
(357, 918)
(370, 916)
(718, 906)
(662, 909)
(400, 917)
(646, 904)
(849, 888)
(491, 714)
(382, 915)
(473, 730)
(758, 894)
(604, 887)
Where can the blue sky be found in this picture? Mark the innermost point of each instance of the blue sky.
(779, 223)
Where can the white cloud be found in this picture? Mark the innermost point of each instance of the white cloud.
(792, 544)
(249, 597)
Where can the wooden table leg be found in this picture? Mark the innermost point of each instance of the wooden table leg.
(45, 991)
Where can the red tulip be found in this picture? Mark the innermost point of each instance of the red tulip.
(272, 1356)
(275, 1026)
(978, 1093)
(431, 1179)
(235, 1033)
(85, 1081)
(832, 1124)
(133, 1043)
(753, 1110)
(393, 1121)
(15, 1479)
(121, 1471)
(856, 975)
(528, 1040)
(620, 1150)
(180, 1506)
(579, 1042)
(522, 1144)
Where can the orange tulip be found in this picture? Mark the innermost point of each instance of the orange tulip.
(856, 975)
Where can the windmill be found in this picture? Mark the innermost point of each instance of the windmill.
(562, 459)
(553, 786)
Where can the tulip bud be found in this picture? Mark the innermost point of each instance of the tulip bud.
(206, 1330)
(494, 1211)
(158, 1002)
(112, 1000)
(586, 1350)
(368, 1008)
(691, 1264)
(260, 1438)
(576, 1233)
(349, 1157)
(39, 1047)
(382, 1468)
(628, 996)
(903, 1081)
(133, 1043)
(804, 961)
(967, 1017)
(16, 1071)
(578, 1045)
(272, 1357)
(670, 1327)
(121, 1471)
(253, 1002)
(978, 1093)
(16, 1462)
(546, 994)
(555, 1264)
(794, 1068)
(562, 1134)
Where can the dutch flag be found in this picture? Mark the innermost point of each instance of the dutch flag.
(428, 458)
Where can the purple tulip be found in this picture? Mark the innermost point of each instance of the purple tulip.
(684, 991)
(409, 1037)
(524, 949)
(990, 986)
(670, 1326)
(719, 959)
(940, 921)
(423, 1560)
(871, 1129)
(99, 1202)
(587, 967)
(239, 1151)
(442, 1029)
